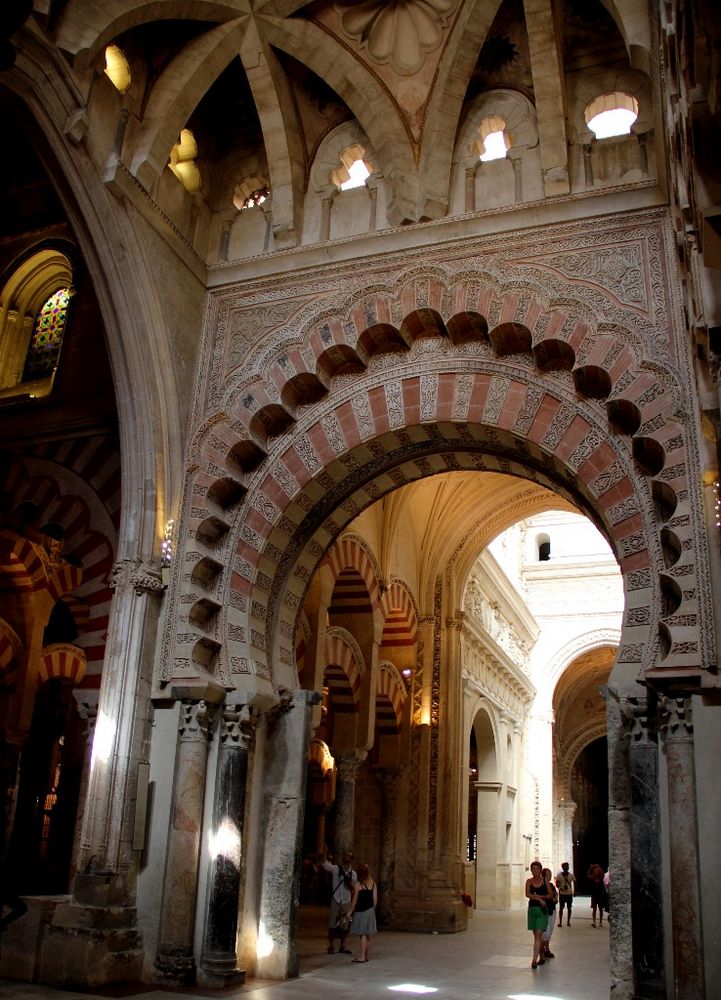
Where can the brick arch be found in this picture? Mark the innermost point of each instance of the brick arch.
(617, 450)
(350, 455)
(343, 668)
(80, 491)
(390, 695)
(351, 553)
(400, 617)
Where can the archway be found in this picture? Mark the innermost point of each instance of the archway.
(317, 435)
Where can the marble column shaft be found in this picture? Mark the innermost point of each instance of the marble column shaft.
(347, 765)
(646, 862)
(122, 711)
(389, 778)
(219, 951)
(175, 950)
(676, 725)
(286, 765)
(619, 843)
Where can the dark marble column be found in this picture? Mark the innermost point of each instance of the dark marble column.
(389, 778)
(646, 863)
(676, 724)
(347, 763)
(219, 957)
(174, 960)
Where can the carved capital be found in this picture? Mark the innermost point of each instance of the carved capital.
(142, 577)
(348, 762)
(676, 720)
(237, 726)
(389, 778)
(640, 724)
(195, 721)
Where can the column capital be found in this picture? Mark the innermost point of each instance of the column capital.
(347, 763)
(639, 720)
(675, 719)
(195, 720)
(237, 725)
(389, 777)
(141, 576)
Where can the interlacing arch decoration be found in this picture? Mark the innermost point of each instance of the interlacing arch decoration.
(510, 385)
(390, 695)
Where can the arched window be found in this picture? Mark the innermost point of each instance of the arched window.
(353, 170)
(611, 114)
(544, 548)
(34, 301)
(494, 142)
(182, 161)
(117, 68)
(251, 193)
(47, 337)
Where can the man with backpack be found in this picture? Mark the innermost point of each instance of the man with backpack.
(343, 878)
(566, 885)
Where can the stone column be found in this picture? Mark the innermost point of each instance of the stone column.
(286, 764)
(219, 967)
(122, 712)
(566, 810)
(326, 205)
(174, 960)
(347, 763)
(87, 702)
(676, 724)
(389, 778)
(646, 861)
(619, 843)
(470, 177)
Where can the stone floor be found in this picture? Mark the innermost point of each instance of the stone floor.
(489, 962)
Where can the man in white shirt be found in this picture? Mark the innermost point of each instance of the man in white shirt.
(343, 878)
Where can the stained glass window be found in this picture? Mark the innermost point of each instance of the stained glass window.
(47, 337)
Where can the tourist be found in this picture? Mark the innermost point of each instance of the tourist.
(537, 894)
(551, 913)
(566, 885)
(598, 893)
(363, 910)
(343, 880)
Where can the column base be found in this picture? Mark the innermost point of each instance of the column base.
(218, 971)
(174, 966)
(89, 946)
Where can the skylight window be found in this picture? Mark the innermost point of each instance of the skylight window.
(354, 168)
(494, 142)
(117, 68)
(358, 172)
(611, 114)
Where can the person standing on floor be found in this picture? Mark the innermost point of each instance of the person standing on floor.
(551, 912)
(537, 896)
(363, 910)
(598, 893)
(342, 883)
(566, 885)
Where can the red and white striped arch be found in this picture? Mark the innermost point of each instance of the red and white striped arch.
(342, 670)
(390, 696)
